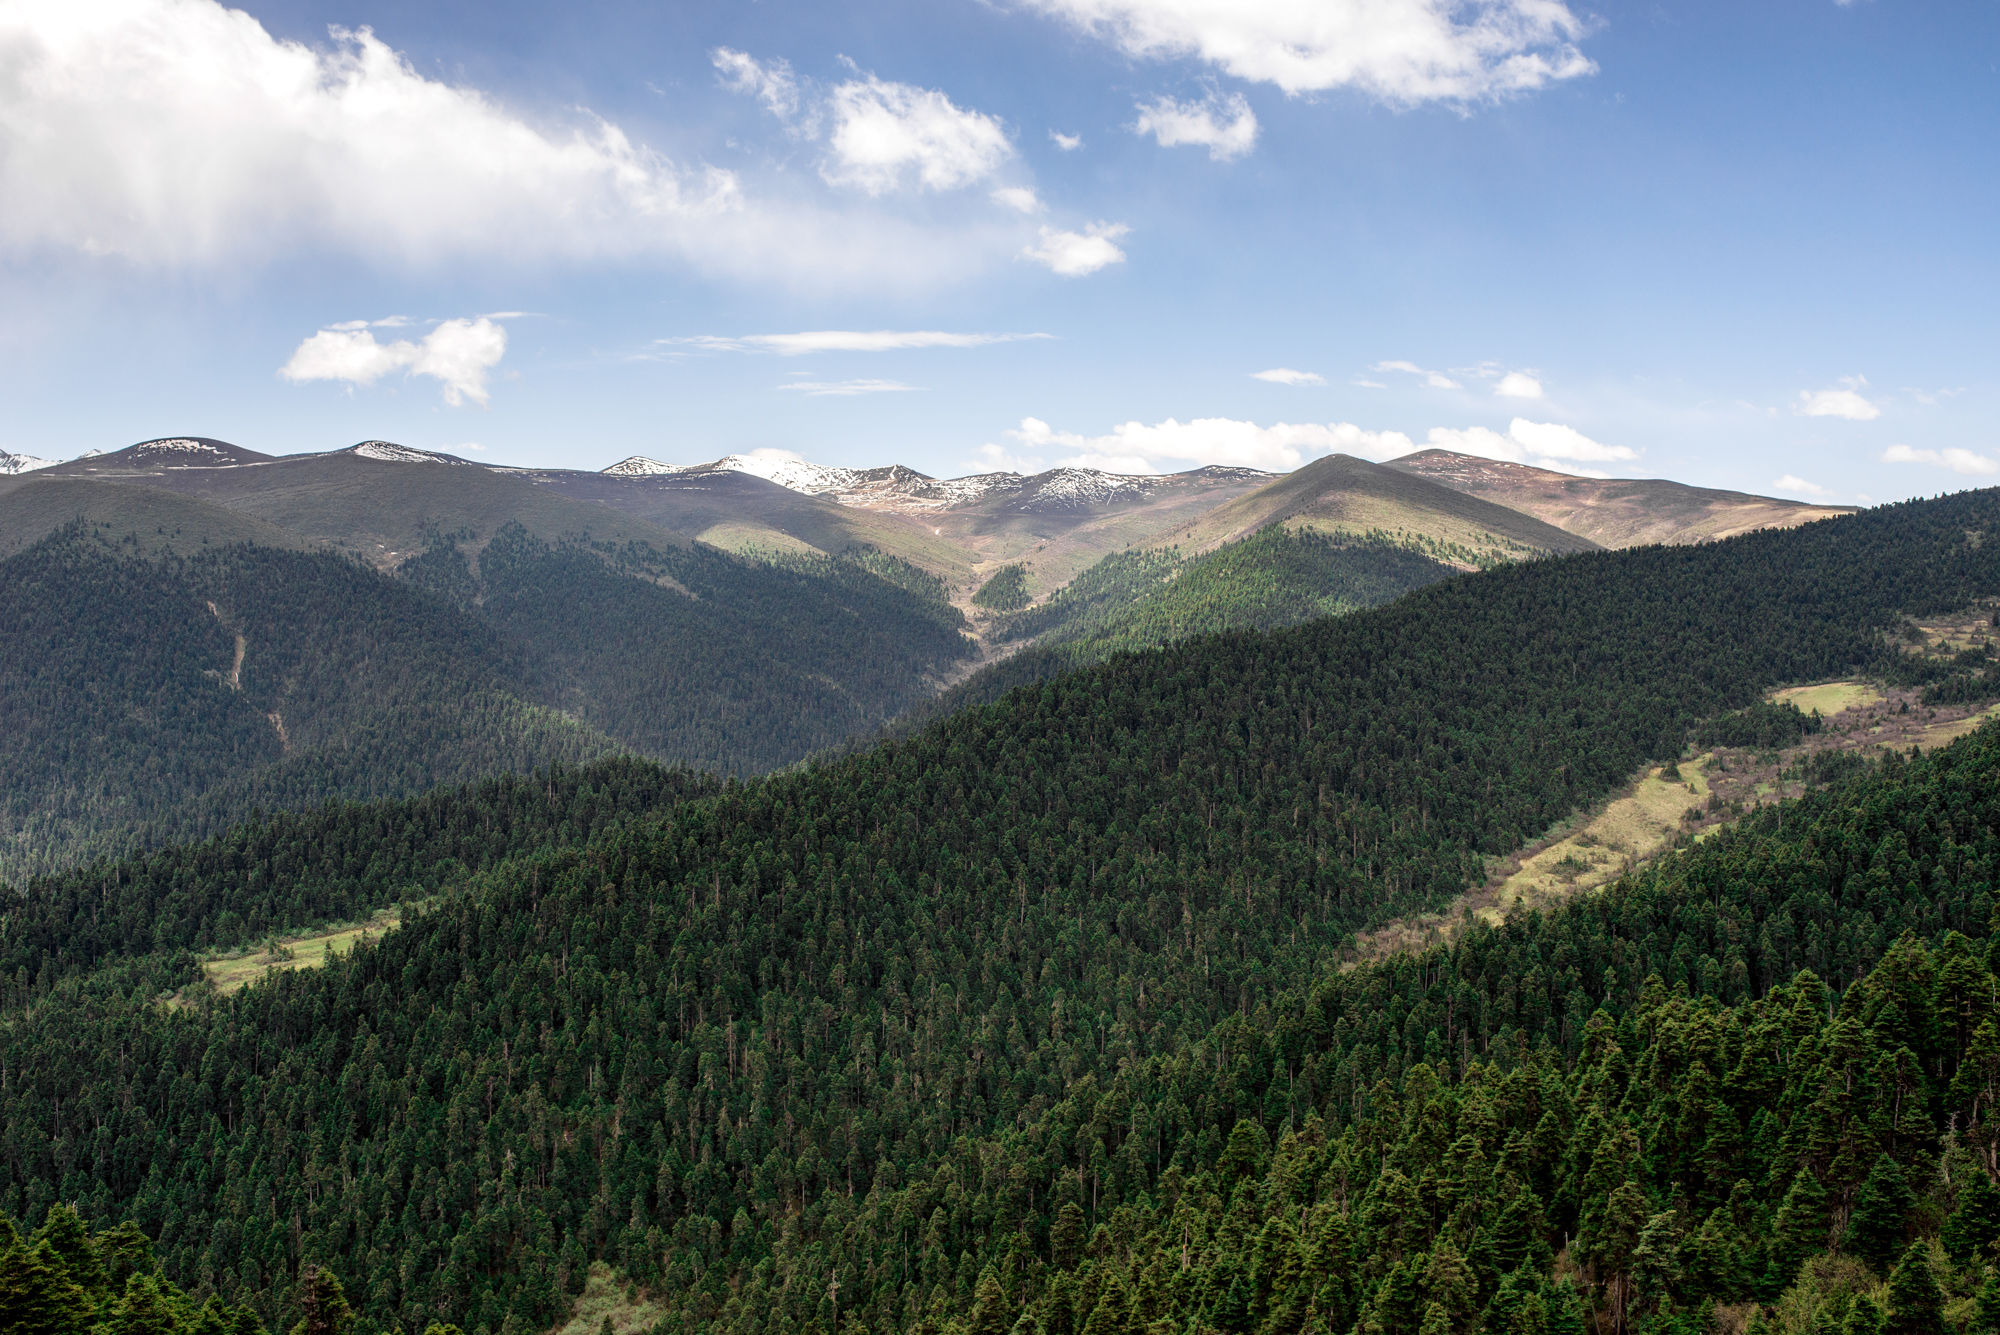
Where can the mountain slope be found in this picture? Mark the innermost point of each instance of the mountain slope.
(1342, 494)
(1613, 512)
(141, 518)
(800, 1022)
(142, 699)
(376, 501)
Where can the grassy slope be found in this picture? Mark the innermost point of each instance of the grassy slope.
(741, 513)
(1613, 512)
(1344, 494)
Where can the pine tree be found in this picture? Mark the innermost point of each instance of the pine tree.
(323, 1303)
(1881, 1214)
(1864, 1317)
(1915, 1305)
(36, 1295)
(141, 1310)
(1798, 1232)
(990, 1314)
(1975, 1221)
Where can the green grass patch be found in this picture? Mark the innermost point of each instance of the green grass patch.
(605, 1299)
(233, 973)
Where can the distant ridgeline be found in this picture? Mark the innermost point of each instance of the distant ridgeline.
(1036, 1017)
(151, 698)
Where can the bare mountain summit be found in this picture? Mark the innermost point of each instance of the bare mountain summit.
(1613, 512)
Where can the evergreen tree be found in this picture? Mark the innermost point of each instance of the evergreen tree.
(1916, 1307)
(1974, 1223)
(1876, 1228)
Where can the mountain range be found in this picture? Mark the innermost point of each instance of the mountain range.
(1059, 1014)
(735, 616)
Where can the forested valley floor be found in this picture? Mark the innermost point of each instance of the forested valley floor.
(1034, 1021)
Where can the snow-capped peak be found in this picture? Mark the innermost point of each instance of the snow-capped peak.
(13, 464)
(638, 465)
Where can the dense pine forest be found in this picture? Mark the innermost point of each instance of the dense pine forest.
(1038, 1015)
(148, 698)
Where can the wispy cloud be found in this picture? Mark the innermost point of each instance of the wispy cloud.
(1518, 385)
(1794, 483)
(1957, 460)
(1285, 375)
(842, 340)
(1068, 143)
(1435, 379)
(1224, 125)
(846, 388)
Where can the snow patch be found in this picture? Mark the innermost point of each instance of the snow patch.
(13, 464)
(388, 452)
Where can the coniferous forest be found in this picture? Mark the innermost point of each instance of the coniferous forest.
(1046, 1017)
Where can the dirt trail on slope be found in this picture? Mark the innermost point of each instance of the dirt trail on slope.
(235, 674)
(1669, 807)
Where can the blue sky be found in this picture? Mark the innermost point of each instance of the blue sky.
(1743, 245)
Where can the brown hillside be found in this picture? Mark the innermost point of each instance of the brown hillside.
(1613, 512)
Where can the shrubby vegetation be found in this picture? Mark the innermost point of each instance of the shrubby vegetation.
(1012, 1019)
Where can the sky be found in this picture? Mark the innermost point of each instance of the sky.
(1741, 245)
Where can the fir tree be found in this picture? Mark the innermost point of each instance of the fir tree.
(1916, 1306)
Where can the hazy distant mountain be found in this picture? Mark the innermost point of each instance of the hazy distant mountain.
(1613, 512)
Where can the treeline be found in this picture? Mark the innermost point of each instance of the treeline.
(701, 1048)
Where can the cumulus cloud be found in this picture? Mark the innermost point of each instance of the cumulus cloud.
(457, 353)
(846, 388)
(1137, 447)
(1074, 254)
(1018, 198)
(1794, 483)
(1285, 375)
(178, 131)
(1957, 460)
(1068, 143)
(843, 340)
(1846, 401)
(1518, 385)
(1402, 52)
(1435, 379)
(886, 135)
(1225, 126)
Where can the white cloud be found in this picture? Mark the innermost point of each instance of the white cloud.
(1225, 126)
(1402, 52)
(1847, 401)
(845, 340)
(1518, 385)
(1171, 445)
(1018, 198)
(847, 388)
(1794, 483)
(1435, 379)
(458, 353)
(770, 81)
(1068, 143)
(1549, 440)
(884, 133)
(1285, 375)
(1957, 460)
(1074, 254)
(178, 131)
